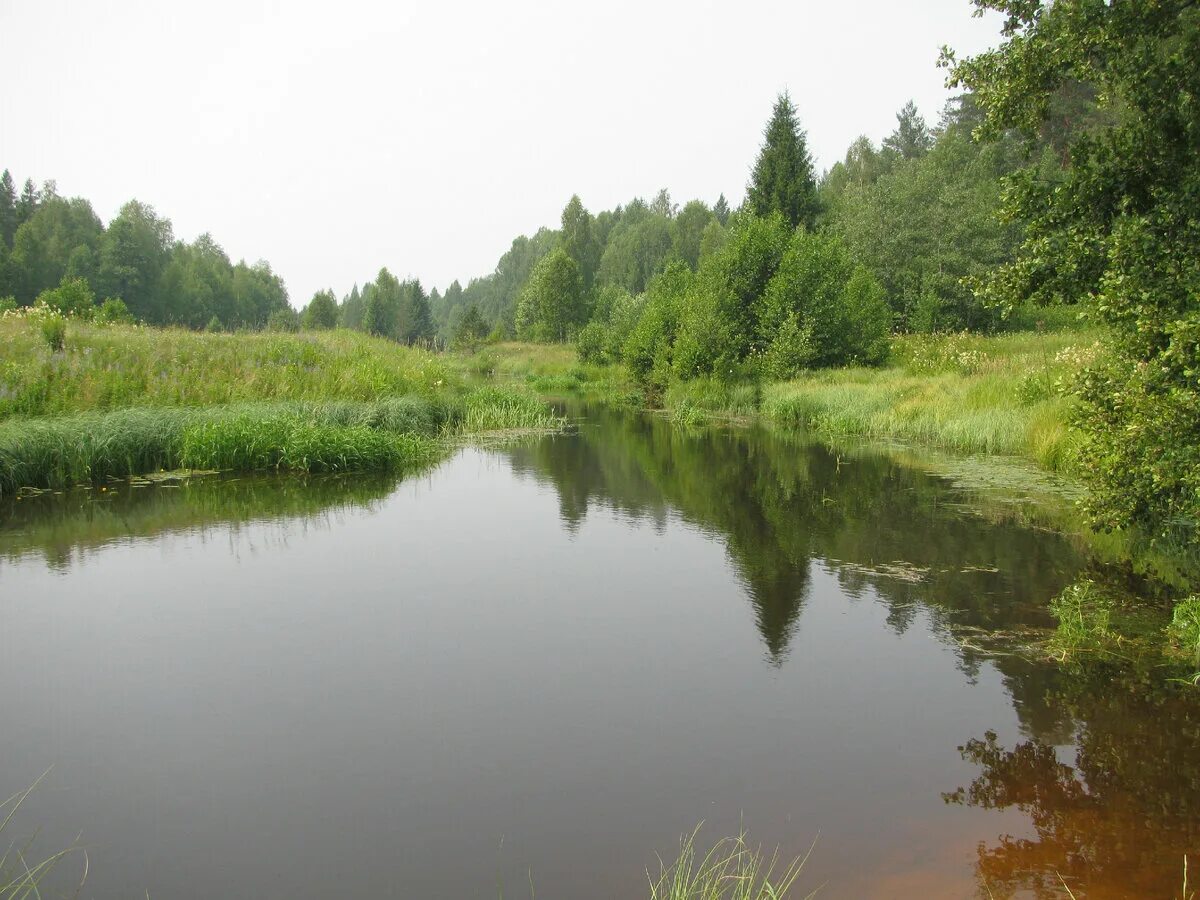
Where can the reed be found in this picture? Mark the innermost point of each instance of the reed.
(730, 870)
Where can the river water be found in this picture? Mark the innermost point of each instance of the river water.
(542, 662)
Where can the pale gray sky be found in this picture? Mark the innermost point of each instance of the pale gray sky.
(334, 138)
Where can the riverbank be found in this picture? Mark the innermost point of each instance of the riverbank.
(122, 401)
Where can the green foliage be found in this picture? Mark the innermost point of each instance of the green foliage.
(962, 391)
(321, 312)
(284, 320)
(502, 409)
(912, 137)
(579, 242)
(638, 248)
(7, 303)
(721, 211)
(90, 448)
(135, 252)
(113, 311)
(923, 224)
(22, 876)
(53, 326)
(771, 301)
(730, 870)
(591, 342)
(214, 326)
(1184, 631)
(689, 228)
(44, 245)
(72, 297)
(783, 181)
(648, 348)
(1118, 230)
(552, 304)
(1084, 614)
(257, 440)
(115, 366)
(471, 329)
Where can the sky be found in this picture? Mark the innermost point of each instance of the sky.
(333, 139)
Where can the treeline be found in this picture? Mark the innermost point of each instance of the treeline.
(808, 272)
(58, 249)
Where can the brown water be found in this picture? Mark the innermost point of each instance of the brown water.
(545, 662)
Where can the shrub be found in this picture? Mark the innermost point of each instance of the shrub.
(791, 350)
(1184, 630)
(54, 330)
(592, 343)
(113, 311)
(284, 320)
(72, 297)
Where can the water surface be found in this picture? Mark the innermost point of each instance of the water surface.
(543, 662)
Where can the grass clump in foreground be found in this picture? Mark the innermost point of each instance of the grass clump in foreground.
(730, 870)
(21, 878)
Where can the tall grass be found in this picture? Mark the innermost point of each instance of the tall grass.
(498, 408)
(20, 877)
(110, 367)
(1000, 395)
(92, 447)
(730, 870)
(395, 434)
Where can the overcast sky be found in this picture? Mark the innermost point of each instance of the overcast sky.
(333, 138)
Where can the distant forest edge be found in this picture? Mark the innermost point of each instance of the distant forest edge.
(918, 212)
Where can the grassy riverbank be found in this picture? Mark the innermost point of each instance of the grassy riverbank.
(121, 401)
(996, 395)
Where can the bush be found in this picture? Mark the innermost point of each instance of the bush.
(592, 343)
(284, 320)
(54, 331)
(1184, 631)
(113, 311)
(790, 351)
(647, 350)
(7, 304)
(72, 297)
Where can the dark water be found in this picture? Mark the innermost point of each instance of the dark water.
(545, 662)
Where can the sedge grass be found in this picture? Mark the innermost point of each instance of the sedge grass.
(20, 877)
(92, 447)
(730, 870)
(394, 434)
(492, 408)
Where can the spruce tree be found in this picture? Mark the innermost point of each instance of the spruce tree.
(721, 210)
(912, 137)
(8, 209)
(28, 202)
(783, 179)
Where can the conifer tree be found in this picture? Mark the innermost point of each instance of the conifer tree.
(912, 137)
(783, 180)
(8, 209)
(721, 210)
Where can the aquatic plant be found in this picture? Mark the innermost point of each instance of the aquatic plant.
(20, 877)
(495, 408)
(730, 870)
(92, 447)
